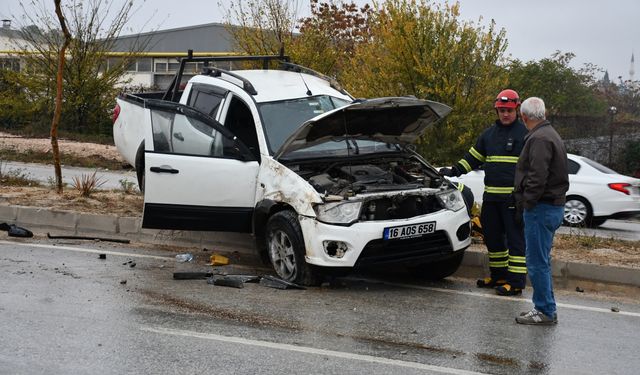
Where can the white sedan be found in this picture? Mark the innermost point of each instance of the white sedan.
(596, 193)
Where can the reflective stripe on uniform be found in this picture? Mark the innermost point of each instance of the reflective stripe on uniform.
(460, 186)
(517, 264)
(498, 189)
(498, 259)
(465, 165)
(476, 154)
(502, 159)
(502, 264)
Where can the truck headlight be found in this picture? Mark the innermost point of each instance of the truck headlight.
(344, 212)
(451, 199)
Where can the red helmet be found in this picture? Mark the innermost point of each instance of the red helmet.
(507, 99)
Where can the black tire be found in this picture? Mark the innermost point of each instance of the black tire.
(440, 269)
(596, 222)
(577, 212)
(140, 167)
(286, 251)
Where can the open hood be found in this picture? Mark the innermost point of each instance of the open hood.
(398, 120)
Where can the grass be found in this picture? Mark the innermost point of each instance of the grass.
(40, 157)
(87, 184)
(15, 177)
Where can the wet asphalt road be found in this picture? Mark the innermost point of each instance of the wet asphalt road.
(64, 311)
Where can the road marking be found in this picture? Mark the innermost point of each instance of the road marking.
(497, 297)
(309, 350)
(85, 250)
(401, 285)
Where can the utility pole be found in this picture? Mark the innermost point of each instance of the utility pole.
(612, 112)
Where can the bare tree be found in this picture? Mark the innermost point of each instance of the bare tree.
(58, 107)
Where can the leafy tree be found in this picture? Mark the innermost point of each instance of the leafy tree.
(260, 27)
(329, 37)
(323, 41)
(566, 91)
(90, 76)
(418, 48)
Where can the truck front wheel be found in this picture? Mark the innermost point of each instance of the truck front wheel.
(285, 246)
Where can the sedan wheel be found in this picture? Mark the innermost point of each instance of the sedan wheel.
(576, 212)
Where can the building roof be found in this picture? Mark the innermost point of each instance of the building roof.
(210, 37)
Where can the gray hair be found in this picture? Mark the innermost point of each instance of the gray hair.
(533, 108)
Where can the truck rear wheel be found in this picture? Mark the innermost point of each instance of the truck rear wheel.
(140, 167)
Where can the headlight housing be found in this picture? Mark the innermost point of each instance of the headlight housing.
(343, 212)
(451, 199)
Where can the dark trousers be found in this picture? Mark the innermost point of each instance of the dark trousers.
(504, 238)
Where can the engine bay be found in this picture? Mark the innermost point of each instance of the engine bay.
(348, 178)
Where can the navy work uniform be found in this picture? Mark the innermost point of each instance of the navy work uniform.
(497, 151)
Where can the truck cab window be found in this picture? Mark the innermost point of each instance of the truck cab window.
(240, 122)
(206, 99)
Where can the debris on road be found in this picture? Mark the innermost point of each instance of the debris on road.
(231, 281)
(118, 240)
(185, 257)
(102, 256)
(274, 282)
(615, 309)
(123, 282)
(218, 260)
(579, 290)
(191, 275)
(16, 231)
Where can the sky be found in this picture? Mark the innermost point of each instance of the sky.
(604, 33)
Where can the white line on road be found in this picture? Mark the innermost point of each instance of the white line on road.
(309, 350)
(502, 298)
(85, 250)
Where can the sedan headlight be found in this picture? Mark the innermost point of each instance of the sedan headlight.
(344, 212)
(451, 199)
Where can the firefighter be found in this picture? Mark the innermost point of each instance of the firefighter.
(497, 150)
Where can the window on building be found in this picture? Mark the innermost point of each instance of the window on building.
(144, 64)
(160, 67)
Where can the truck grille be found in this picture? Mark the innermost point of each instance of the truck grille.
(431, 246)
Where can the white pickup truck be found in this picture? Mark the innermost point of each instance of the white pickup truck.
(325, 183)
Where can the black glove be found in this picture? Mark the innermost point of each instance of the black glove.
(449, 172)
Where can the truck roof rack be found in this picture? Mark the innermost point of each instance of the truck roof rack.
(174, 87)
(289, 66)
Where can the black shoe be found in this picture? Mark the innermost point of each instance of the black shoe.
(488, 282)
(508, 290)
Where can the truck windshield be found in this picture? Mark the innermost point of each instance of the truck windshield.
(281, 119)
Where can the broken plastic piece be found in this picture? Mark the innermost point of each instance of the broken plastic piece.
(102, 256)
(231, 281)
(274, 282)
(218, 260)
(191, 275)
(16, 231)
(186, 257)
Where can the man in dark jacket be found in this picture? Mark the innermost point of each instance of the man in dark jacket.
(497, 150)
(541, 182)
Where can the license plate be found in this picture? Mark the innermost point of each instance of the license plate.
(407, 231)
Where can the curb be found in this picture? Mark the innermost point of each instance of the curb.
(85, 224)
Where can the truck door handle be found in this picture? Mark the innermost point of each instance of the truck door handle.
(164, 169)
(178, 136)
